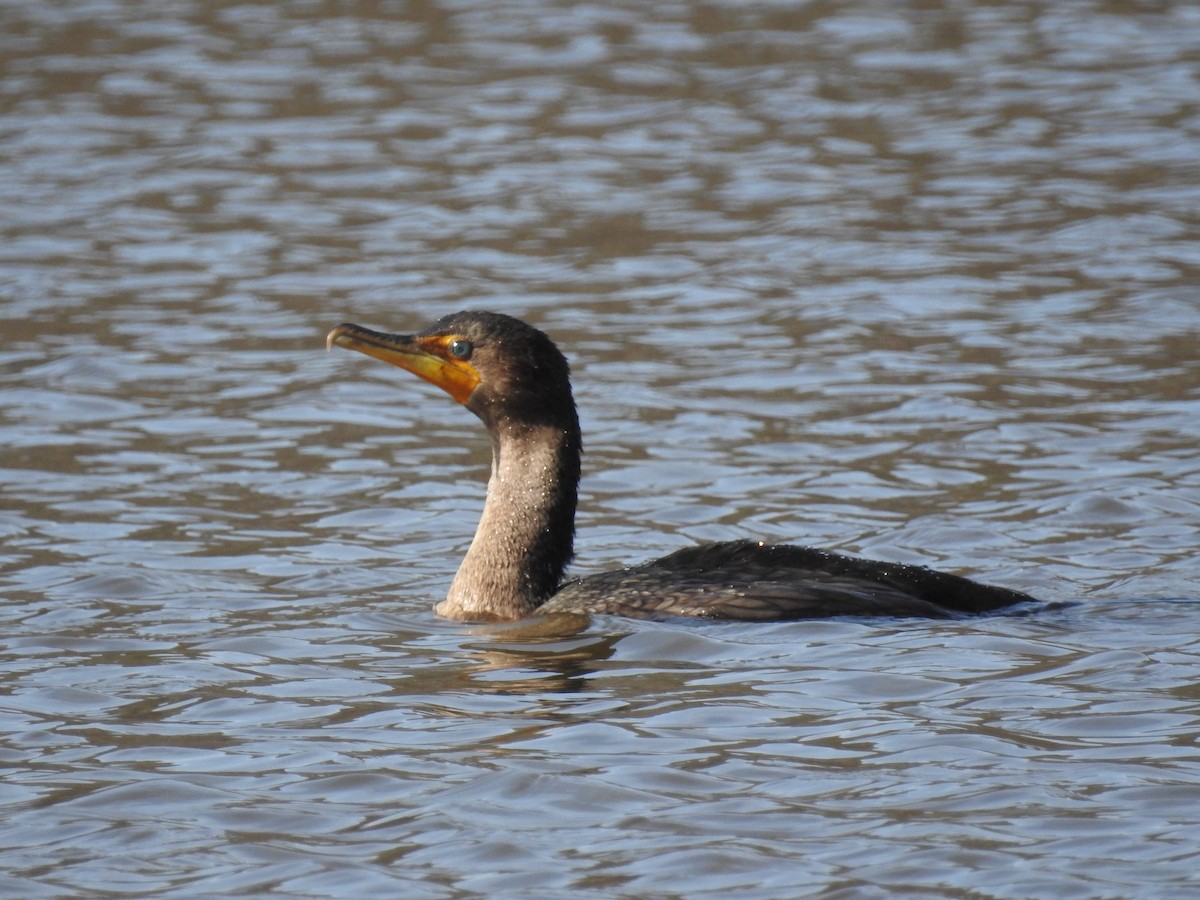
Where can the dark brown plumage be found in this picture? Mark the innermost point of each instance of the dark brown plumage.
(516, 381)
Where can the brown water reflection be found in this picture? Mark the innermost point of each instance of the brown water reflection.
(917, 281)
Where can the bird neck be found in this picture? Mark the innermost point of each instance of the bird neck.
(526, 534)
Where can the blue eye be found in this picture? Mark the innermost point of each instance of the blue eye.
(461, 349)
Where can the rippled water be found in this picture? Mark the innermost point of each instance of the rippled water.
(919, 281)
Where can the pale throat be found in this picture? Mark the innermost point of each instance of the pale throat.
(521, 523)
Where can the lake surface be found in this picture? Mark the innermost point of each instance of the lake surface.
(915, 281)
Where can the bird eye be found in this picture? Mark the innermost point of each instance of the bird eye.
(461, 349)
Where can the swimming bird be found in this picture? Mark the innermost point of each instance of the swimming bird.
(514, 378)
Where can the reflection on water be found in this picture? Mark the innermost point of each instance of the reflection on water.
(546, 654)
(914, 281)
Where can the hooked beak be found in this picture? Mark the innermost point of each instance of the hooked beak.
(425, 356)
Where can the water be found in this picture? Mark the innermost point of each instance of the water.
(914, 281)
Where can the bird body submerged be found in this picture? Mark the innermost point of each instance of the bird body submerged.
(517, 382)
(753, 581)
